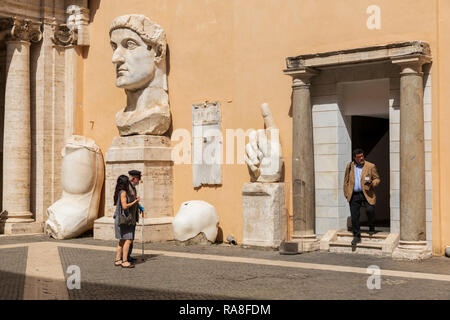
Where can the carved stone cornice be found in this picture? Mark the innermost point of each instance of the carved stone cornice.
(64, 36)
(14, 29)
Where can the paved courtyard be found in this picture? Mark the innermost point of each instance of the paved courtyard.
(37, 267)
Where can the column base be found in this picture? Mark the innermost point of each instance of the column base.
(306, 243)
(14, 223)
(155, 229)
(412, 250)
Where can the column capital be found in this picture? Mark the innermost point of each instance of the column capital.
(63, 36)
(411, 65)
(15, 29)
(301, 77)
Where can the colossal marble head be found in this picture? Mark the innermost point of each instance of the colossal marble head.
(139, 56)
(139, 47)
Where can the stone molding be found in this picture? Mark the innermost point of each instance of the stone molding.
(359, 55)
(15, 29)
(33, 10)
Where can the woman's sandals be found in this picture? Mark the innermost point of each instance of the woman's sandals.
(130, 265)
(118, 264)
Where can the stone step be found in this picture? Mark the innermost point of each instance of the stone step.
(362, 244)
(340, 241)
(364, 235)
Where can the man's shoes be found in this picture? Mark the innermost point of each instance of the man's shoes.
(372, 231)
(355, 241)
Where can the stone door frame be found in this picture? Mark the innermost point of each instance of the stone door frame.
(407, 58)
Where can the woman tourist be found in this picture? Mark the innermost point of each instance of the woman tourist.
(124, 220)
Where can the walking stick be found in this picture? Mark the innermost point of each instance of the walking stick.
(142, 232)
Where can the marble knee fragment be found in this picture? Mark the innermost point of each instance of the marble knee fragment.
(82, 179)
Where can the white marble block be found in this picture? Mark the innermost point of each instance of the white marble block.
(264, 214)
(82, 181)
(194, 217)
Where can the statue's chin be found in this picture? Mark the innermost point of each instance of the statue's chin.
(132, 84)
(123, 84)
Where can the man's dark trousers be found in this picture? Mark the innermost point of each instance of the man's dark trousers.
(358, 199)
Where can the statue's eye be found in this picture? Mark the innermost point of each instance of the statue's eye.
(113, 46)
(131, 44)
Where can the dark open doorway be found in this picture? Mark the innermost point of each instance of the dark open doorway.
(372, 135)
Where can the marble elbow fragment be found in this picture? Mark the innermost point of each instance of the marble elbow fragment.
(195, 217)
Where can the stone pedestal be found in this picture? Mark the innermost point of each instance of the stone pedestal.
(152, 155)
(264, 213)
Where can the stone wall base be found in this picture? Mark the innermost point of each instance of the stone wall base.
(15, 228)
(264, 213)
(412, 250)
(155, 229)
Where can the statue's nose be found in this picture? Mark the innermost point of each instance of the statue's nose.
(118, 56)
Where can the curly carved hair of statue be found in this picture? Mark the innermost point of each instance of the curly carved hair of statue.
(150, 32)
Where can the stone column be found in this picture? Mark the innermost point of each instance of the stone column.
(303, 184)
(17, 126)
(413, 243)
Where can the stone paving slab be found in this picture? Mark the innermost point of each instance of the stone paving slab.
(438, 265)
(13, 264)
(153, 280)
(162, 277)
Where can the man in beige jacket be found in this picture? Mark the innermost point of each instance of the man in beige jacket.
(361, 179)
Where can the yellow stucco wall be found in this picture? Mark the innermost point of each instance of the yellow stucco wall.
(234, 51)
